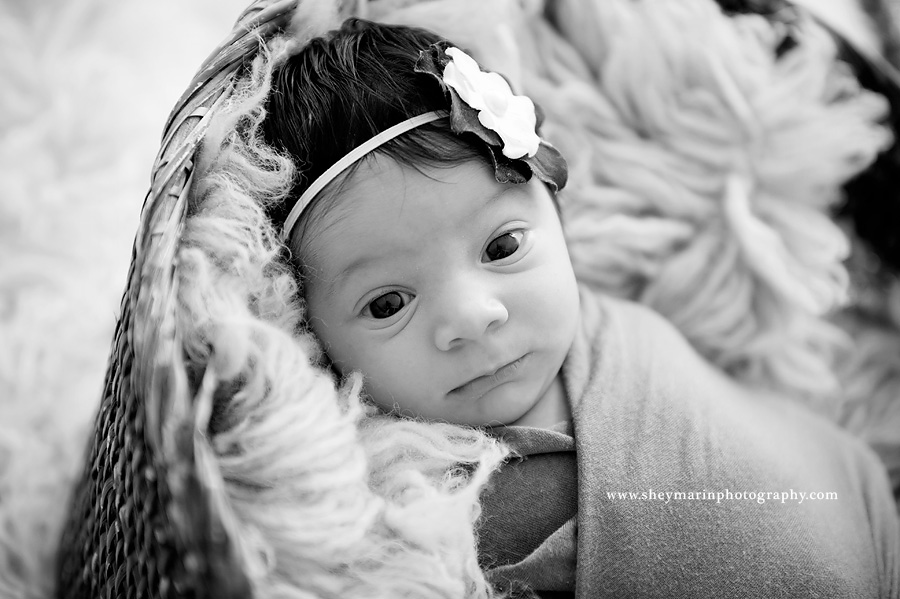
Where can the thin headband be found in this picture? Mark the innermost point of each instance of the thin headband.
(355, 154)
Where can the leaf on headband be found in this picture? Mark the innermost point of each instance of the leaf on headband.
(549, 166)
(546, 163)
(463, 118)
(507, 170)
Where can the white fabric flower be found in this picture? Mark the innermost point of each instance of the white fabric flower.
(510, 116)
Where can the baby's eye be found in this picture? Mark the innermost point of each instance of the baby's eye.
(503, 246)
(385, 306)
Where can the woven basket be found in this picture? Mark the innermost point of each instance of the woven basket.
(142, 523)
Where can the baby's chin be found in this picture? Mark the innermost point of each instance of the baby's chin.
(493, 409)
(532, 395)
(506, 405)
(549, 411)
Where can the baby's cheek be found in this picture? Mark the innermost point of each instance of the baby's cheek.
(558, 284)
(393, 375)
(556, 300)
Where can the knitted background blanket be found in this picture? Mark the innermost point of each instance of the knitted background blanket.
(704, 172)
(704, 183)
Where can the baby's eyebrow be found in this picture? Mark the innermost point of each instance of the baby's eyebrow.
(341, 277)
(503, 192)
(360, 263)
(334, 285)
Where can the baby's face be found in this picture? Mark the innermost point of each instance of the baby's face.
(453, 294)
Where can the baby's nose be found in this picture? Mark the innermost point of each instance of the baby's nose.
(468, 318)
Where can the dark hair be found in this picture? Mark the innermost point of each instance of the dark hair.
(346, 87)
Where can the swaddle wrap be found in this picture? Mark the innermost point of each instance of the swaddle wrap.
(653, 419)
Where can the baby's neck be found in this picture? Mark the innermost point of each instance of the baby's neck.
(551, 409)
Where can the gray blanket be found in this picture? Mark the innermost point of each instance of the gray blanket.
(652, 419)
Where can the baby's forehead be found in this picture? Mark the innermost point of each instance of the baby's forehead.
(415, 192)
(394, 210)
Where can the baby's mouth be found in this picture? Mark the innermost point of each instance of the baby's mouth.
(480, 385)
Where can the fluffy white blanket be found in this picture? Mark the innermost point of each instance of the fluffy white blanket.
(87, 87)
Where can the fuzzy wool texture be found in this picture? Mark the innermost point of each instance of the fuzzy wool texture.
(325, 498)
(695, 158)
(702, 168)
(87, 88)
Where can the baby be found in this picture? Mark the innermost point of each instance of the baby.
(452, 292)
(426, 230)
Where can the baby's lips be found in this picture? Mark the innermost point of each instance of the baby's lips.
(482, 384)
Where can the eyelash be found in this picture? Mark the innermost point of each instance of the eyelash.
(405, 297)
(517, 234)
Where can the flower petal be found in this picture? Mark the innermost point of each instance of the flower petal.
(482, 103)
(464, 86)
